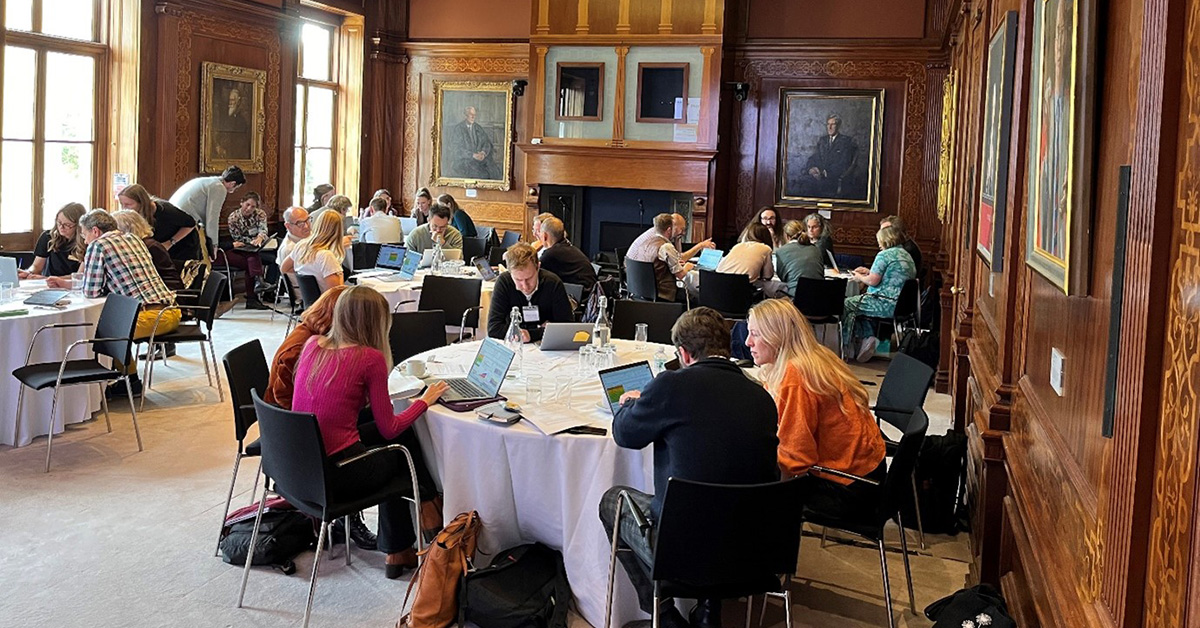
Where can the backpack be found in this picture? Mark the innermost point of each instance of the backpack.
(605, 287)
(940, 476)
(524, 587)
(925, 346)
(282, 536)
(437, 578)
(966, 607)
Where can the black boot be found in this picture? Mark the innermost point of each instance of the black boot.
(706, 614)
(116, 390)
(359, 533)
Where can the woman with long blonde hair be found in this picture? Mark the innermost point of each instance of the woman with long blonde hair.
(824, 418)
(321, 254)
(59, 251)
(337, 376)
(129, 221)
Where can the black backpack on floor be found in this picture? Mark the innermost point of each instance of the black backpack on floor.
(524, 587)
(281, 537)
(940, 475)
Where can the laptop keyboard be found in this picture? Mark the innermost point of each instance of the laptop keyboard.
(464, 388)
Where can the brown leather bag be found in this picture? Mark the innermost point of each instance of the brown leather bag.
(440, 573)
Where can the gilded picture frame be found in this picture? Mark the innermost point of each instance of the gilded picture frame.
(830, 143)
(992, 212)
(946, 152)
(472, 134)
(1061, 137)
(232, 117)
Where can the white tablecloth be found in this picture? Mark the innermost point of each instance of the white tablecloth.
(531, 487)
(75, 403)
(408, 293)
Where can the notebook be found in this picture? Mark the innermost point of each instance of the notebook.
(619, 380)
(709, 258)
(487, 373)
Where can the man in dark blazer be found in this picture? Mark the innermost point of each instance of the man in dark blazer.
(538, 293)
(564, 259)
(708, 422)
(825, 173)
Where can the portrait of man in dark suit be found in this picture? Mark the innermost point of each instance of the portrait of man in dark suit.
(831, 140)
(473, 134)
(469, 150)
(231, 120)
(832, 161)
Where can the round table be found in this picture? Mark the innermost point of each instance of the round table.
(407, 293)
(531, 487)
(75, 403)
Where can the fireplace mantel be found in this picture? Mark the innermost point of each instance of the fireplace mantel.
(673, 169)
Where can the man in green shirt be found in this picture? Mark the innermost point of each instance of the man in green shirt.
(438, 229)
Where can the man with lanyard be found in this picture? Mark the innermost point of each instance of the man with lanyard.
(538, 293)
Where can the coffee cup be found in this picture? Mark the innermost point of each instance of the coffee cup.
(416, 368)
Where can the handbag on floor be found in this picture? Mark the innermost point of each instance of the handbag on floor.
(437, 578)
(524, 587)
(981, 606)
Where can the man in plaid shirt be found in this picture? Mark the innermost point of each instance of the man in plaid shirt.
(120, 263)
(248, 227)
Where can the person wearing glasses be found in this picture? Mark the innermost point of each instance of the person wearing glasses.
(295, 220)
(58, 251)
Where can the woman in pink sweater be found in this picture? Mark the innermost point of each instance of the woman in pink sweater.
(336, 377)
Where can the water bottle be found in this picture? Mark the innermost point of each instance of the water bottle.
(514, 340)
(602, 331)
(438, 258)
(660, 361)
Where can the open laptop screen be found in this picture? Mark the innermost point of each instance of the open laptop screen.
(490, 366)
(408, 269)
(619, 380)
(709, 258)
(390, 257)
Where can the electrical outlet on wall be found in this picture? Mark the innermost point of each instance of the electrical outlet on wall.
(1056, 371)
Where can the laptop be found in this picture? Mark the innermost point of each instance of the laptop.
(845, 274)
(709, 258)
(619, 380)
(407, 224)
(485, 269)
(449, 254)
(408, 269)
(486, 374)
(8, 271)
(390, 257)
(566, 336)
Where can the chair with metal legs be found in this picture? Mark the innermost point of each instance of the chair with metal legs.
(206, 313)
(904, 389)
(294, 462)
(114, 333)
(871, 522)
(717, 517)
(246, 369)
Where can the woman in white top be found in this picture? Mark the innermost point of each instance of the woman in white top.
(752, 257)
(321, 254)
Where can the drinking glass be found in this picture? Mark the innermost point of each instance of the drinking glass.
(533, 389)
(77, 282)
(6, 292)
(606, 357)
(587, 359)
(641, 332)
(563, 396)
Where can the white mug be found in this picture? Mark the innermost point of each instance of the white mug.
(416, 368)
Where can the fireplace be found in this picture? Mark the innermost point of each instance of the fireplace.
(603, 219)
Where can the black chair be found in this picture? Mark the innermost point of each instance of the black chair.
(310, 290)
(659, 318)
(904, 389)
(473, 247)
(717, 517)
(495, 256)
(510, 238)
(247, 371)
(416, 332)
(293, 460)
(24, 258)
(869, 524)
(488, 234)
(206, 313)
(640, 280)
(295, 305)
(230, 272)
(114, 339)
(906, 309)
(574, 292)
(731, 294)
(365, 254)
(457, 297)
(822, 302)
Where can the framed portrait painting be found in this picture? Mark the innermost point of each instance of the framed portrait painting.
(1060, 142)
(997, 124)
(473, 134)
(830, 142)
(232, 120)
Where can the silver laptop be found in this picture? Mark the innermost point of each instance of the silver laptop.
(450, 254)
(566, 336)
(407, 224)
(619, 380)
(8, 270)
(486, 374)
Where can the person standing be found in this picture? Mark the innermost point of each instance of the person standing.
(248, 227)
(202, 199)
(708, 422)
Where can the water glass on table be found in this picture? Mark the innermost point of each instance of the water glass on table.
(587, 359)
(533, 389)
(77, 282)
(7, 291)
(640, 334)
(563, 395)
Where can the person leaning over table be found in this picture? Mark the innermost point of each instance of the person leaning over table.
(796, 259)
(248, 227)
(129, 221)
(824, 418)
(884, 280)
(438, 229)
(120, 263)
(321, 254)
(708, 422)
(538, 293)
(203, 197)
(59, 250)
(173, 228)
(751, 257)
(337, 376)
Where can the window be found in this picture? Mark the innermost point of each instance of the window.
(48, 146)
(316, 110)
